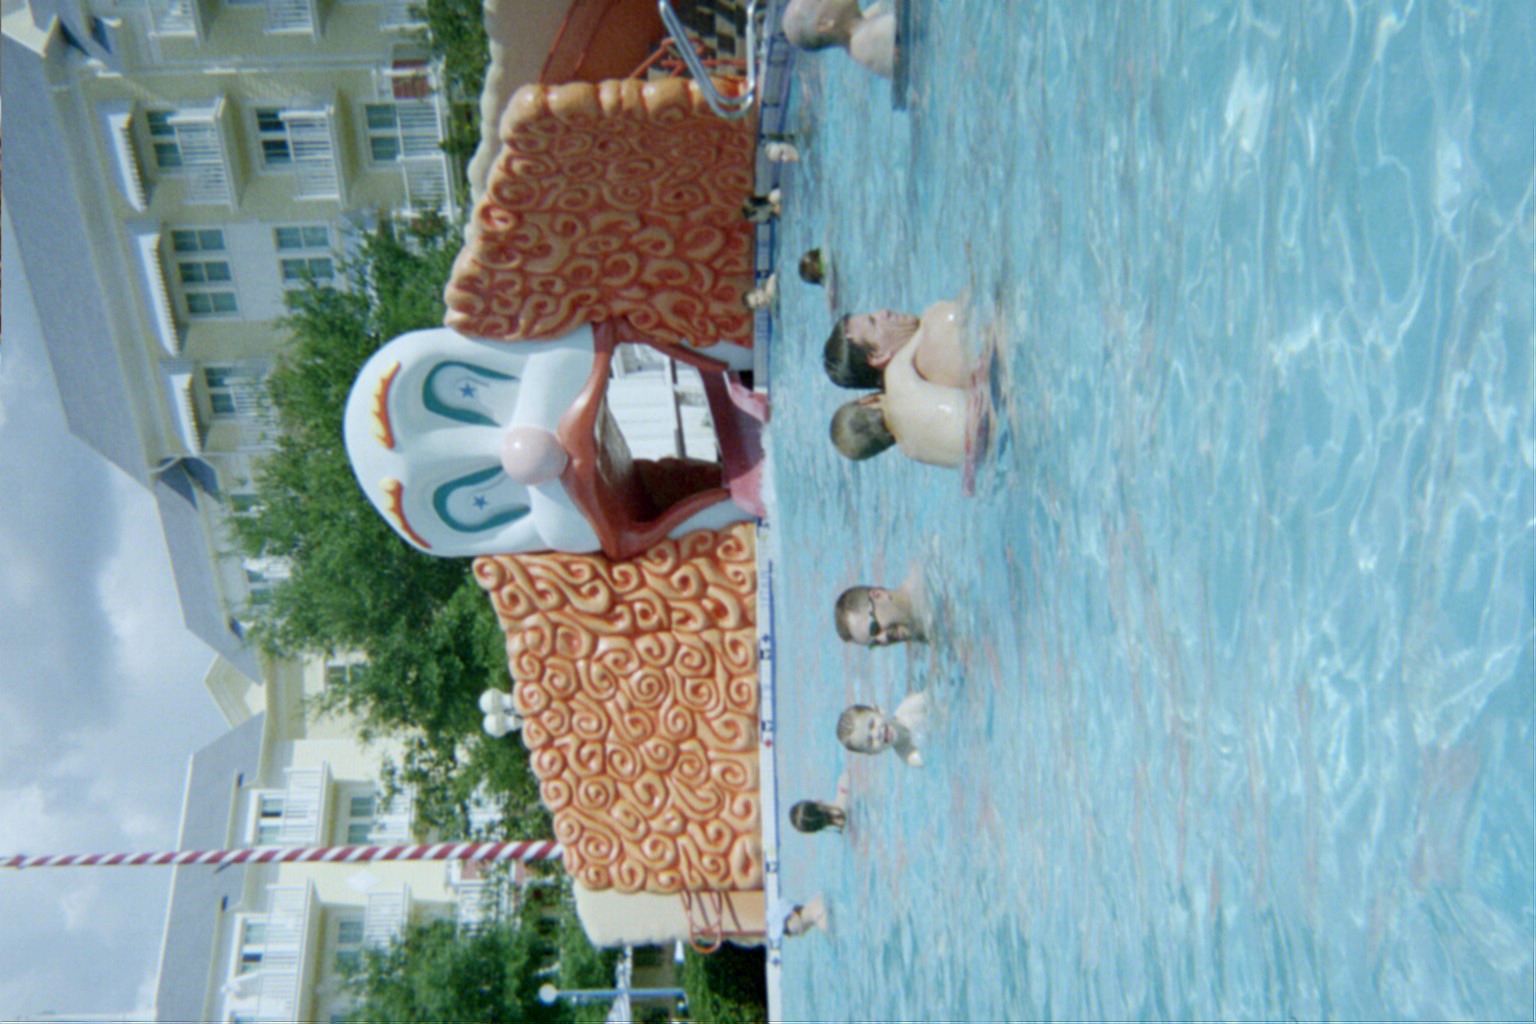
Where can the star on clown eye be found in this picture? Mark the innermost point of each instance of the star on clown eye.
(467, 390)
(480, 501)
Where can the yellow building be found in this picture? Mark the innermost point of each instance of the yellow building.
(172, 169)
(267, 942)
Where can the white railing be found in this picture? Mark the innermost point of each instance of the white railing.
(421, 128)
(385, 915)
(175, 18)
(314, 154)
(410, 86)
(293, 16)
(280, 978)
(479, 903)
(398, 15)
(393, 825)
(203, 165)
(426, 184)
(303, 817)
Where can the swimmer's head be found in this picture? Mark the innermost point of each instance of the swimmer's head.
(865, 730)
(818, 24)
(862, 344)
(847, 363)
(859, 430)
(814, 816)
(871, 617)
(812, 269)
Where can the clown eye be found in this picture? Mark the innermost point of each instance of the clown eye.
(480, 501)
(470, 393)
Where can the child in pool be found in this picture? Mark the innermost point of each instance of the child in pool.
(813, 913)
(868, 730)
(817, 815)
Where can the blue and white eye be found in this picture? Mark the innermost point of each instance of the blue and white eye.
(480, 501)
(470, 394)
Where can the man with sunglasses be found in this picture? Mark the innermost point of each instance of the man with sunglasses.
(878, 616)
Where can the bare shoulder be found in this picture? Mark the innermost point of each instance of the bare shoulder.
(940, 355)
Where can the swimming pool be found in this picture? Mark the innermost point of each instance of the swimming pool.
(1237, 681)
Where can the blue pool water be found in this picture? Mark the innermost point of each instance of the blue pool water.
(1237, 684)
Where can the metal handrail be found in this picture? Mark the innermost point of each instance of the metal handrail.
(731, 108)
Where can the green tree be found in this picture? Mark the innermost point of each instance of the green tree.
(728, 986)
(439, 972)
(435, 972)
(428, 631)
(456, 35)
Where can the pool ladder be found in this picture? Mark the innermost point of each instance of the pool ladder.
(731, 108)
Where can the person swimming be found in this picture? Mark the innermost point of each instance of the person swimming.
(805, 916)
(919, 364)
(863, 729)
(881, 616)
(819, 815)
(868, 35)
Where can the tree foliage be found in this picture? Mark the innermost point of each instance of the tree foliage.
(352, 580)
(435, 972)
(439, 972)
(428, 632)
(456, 35)
(728, 986)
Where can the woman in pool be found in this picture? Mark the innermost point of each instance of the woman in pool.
(920, 364)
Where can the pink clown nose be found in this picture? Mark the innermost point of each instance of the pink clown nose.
(532, 455)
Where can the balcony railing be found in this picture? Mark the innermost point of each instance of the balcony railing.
(204, 165)
(478, 899)
(410, 84)
(386, 915)
(296, 16)
(304, 803)
(175, 18)
(274, 990)
(314, 154)
(394, 825)
(401, 15)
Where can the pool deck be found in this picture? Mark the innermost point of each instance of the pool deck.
(773, 115)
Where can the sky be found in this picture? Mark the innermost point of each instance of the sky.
(101, 700)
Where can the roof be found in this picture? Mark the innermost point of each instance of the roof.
(199, 893)
(177, 490)
(51, 236)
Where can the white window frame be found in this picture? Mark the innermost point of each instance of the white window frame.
(347, 947)
(205, 274)
(301, 141)
(195, 135)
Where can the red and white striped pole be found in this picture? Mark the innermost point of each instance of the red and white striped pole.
(526, 850)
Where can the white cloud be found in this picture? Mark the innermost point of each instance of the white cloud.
(138, 596)
(77, 905)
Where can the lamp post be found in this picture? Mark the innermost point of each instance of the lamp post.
(501, 715)
(548, 993)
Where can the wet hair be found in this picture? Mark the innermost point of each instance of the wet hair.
(847, 364)
(813, 816)
(846, 602)
(859, 431)
(812, 270)
(848, 719)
